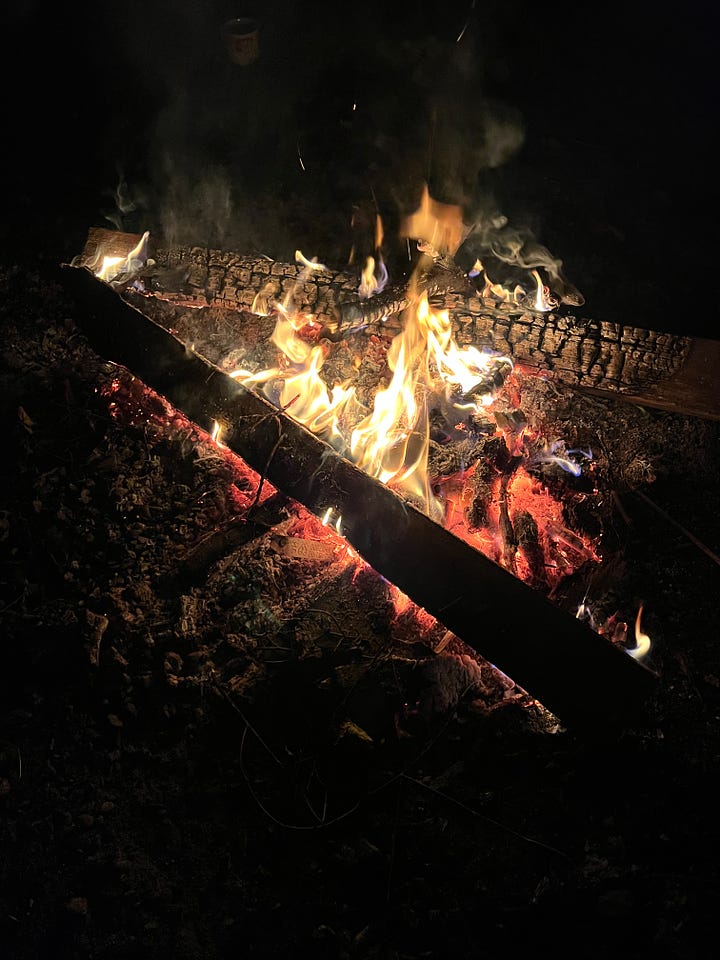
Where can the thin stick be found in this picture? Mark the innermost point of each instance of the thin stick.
(686, 533)
(482, 816)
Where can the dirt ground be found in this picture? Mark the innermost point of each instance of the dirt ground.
(224, 746)
(208, 752)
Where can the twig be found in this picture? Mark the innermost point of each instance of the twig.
(482, 816)
(263, 475)
(621, 509)
(686, 533)
(248, 725)
(393, 844)
(271, 816)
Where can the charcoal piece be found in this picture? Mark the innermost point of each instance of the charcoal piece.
(528, 540)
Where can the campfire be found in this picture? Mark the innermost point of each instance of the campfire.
(415, 424)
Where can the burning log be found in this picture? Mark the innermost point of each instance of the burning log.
(576, 673)
(665, 371)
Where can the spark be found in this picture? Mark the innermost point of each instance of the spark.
(467, 23)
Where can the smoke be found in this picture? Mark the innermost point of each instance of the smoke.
(197, 210)
(362, 107)
(495, 242)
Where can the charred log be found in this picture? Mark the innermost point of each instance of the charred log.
(662, 370)
(526, 532)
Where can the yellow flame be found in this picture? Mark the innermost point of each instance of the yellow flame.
(463, 367)
(379, 232)
(368, 283)
(309, 264)
(642, 640)
(112, 266)
(439, 224)
(497, 290)
(543, 300)
(391, 441)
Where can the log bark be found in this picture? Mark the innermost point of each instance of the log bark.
(579, 675)
(650, 368)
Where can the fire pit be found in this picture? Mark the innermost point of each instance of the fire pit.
(482, 460)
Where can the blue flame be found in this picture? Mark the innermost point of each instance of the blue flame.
(557, 455)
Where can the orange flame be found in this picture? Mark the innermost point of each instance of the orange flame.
(642, 640)
(439, 224)
(391, 441)
(112, 266)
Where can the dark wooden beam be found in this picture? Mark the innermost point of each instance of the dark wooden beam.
(577, 674)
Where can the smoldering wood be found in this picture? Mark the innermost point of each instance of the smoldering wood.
(579, 675)
(660, 370)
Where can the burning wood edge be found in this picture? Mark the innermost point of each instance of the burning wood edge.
(646, 367)
(437, 278)
(579, 675)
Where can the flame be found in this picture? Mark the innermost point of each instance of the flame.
(379, 232)
(112, 266)
(540, 300)
(642, 640)
(428, 369)
(391, 441)
(496, 290)
(543, 300)
(439, 224)
(456, 366)
(555, 453)
(616, 630)
(311, 265)
(372, 281)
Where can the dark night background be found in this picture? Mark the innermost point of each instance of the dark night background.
(592, 127)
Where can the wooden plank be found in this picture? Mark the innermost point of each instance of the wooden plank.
(576, 673)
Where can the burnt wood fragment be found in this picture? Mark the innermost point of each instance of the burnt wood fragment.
(577, 674)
